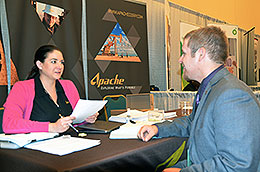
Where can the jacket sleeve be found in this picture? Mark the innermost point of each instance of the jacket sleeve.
(236, 127)
(179, 127)
(17, 111)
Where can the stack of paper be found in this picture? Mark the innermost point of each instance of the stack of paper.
(14, 141)
(134, 115)
(128, 130)
(169, 114)
(63, 145)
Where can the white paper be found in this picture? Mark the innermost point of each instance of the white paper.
(169, 114)
(23, 139)
(86, 108)
(63, 145)
(134, 115)
(128, 130)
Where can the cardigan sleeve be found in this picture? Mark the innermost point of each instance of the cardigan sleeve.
(18, 107)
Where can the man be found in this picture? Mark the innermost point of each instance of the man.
(50, 18)
(224, 126)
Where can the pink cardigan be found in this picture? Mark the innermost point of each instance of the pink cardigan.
(19, 103)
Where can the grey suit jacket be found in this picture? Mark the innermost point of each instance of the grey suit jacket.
(224, 132)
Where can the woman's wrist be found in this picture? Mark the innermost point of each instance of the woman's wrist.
(51, 127)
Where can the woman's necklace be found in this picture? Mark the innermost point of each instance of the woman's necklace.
(52, 98)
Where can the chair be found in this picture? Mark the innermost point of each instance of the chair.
(115, 103)
(1, 119)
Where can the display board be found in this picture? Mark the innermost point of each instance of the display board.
(117, 48)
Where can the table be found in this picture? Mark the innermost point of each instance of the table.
(111, 155)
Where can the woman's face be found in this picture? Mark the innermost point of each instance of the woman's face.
(53, 65)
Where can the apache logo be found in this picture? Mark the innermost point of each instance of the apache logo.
(96, 80)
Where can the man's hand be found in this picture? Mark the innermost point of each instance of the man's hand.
(147, 132)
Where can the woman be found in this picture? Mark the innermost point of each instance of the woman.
(37, 104)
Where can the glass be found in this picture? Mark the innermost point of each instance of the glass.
(156, 115)
(185, 107)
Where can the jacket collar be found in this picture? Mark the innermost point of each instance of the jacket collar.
(218, 76)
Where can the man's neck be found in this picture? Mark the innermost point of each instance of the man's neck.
(209, 69)
(47, 83)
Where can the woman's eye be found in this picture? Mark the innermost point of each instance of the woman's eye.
(53, 61)
(62, 62)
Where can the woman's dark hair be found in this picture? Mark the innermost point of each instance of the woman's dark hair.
(40, 55)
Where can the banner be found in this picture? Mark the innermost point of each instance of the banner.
(117, 48)
(33, 24)
(184, 29)
(232, 63)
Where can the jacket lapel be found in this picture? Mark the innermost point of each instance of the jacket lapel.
(219, 75)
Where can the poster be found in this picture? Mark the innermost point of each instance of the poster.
(117, 48)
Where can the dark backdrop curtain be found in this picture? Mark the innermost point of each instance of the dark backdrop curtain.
(27, 33)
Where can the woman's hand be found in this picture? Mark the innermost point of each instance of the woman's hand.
(92, 119)
(61, 125)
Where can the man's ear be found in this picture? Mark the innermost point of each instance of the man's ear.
(39, 64)
(201, 53)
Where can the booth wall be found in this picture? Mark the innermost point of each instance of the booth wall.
(238, 12)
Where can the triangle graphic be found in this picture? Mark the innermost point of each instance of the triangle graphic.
(90, 57)
(103, 65)
(52, 42)
(136, 90)
(117, 47)
(133, 36)
(77, 71)
(133, 32)
(3, 69)
(134, 40)
(109, 16)
(50, 16)
(94, 92)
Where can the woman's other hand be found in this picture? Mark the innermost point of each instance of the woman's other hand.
(92, 119)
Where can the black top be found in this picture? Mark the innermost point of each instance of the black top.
(44, 109)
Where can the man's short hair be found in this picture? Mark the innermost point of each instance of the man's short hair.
(213, 39)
